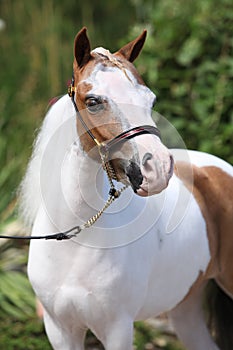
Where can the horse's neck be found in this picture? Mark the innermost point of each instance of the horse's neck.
(82, 184)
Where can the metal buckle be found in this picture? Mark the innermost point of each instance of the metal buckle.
(71, 90)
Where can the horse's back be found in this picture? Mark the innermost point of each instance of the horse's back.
(201, 159)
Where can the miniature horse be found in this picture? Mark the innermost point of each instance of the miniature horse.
(156, 247)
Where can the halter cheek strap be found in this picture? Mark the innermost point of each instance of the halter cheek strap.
(71, 93)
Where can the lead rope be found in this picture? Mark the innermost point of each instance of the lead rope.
(109, 201)
(74, 231)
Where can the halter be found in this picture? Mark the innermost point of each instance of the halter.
(104, 149)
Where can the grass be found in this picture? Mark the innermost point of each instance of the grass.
(23, 335)
(30, 335)
(148, 338)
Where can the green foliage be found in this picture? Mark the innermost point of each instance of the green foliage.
(37, 55)
(188, 62)
(21, 335)
(16, 296)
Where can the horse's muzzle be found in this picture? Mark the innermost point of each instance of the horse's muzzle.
(156, 174)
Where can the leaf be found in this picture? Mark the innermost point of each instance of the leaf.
(190, 50)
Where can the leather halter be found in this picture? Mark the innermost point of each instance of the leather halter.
(104, 147)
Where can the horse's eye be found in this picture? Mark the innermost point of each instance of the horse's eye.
(94, 104)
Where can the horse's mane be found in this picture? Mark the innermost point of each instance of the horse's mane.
(58, 126)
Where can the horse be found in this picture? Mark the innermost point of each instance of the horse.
(147, 228)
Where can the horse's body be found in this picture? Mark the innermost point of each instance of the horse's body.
(145, 255)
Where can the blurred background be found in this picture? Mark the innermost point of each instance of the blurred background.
(187, 61)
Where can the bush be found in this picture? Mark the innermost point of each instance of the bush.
(188, 62)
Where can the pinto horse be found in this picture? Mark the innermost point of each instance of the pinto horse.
(163, 234)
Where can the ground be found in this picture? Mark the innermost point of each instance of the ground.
(29, 334)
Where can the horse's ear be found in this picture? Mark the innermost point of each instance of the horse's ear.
(131, 50)
(82, 48)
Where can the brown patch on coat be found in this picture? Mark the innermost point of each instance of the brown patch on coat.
(213, 191)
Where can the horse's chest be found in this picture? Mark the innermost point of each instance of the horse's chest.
(180, 255)
(145, 277)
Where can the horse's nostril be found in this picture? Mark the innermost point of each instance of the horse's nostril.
(147, 156)
(170, 173)
(134, 174)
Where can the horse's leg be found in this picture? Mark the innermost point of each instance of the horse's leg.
(220, 312)
(189, 322)
(62, 339)
(117, 335)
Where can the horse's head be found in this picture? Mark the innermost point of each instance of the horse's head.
(112, 98)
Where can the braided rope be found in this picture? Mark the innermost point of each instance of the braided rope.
(109, 201)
